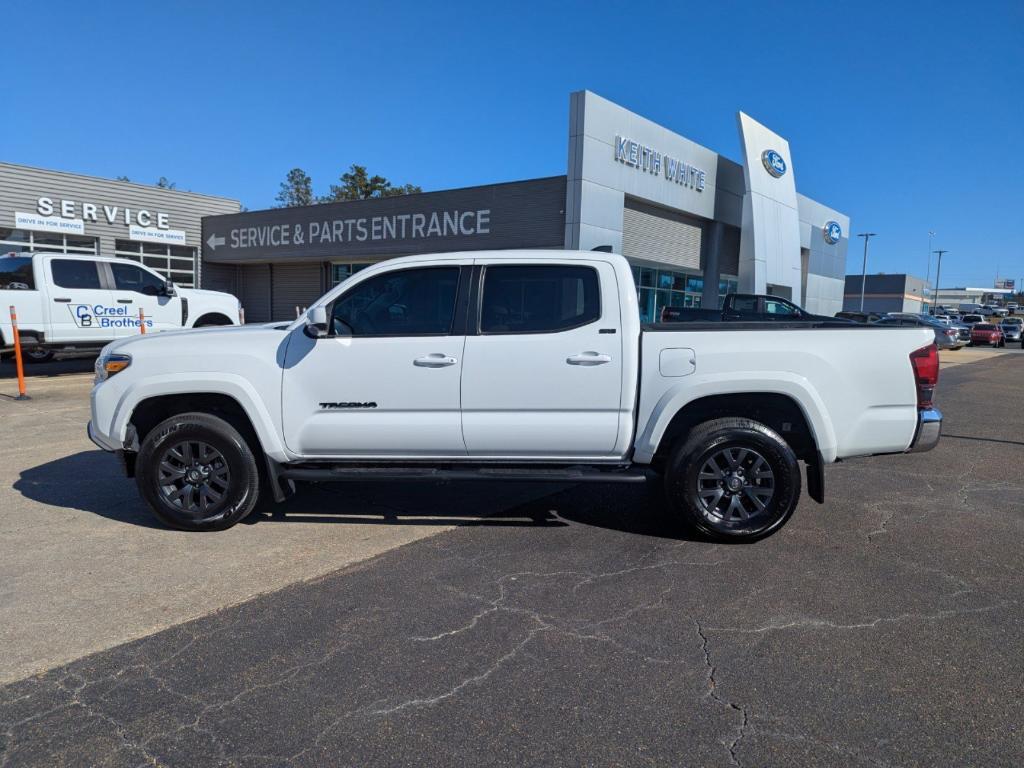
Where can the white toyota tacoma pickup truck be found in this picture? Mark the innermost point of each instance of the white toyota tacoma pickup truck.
(65, 300)
(509, 365)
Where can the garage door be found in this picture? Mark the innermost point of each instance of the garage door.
(655, 234)
(254, 292)
(295, 285)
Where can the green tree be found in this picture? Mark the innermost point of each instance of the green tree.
(357, 184)
(296, 189)
(123, 178)
(164, 183)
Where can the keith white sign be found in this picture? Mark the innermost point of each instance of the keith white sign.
(151, 235)
(48, 223)
(644, 158)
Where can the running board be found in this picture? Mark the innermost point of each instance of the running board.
(576, 474)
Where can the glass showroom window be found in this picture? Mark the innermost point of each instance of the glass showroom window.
(342, 272)
(659, 288)
(25, 241)
(175, 262)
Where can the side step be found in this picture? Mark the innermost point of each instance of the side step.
(570, 474)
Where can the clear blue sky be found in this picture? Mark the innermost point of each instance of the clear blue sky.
(906, 116)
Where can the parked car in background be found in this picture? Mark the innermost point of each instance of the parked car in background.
(970, 309)
(747, 307)
(1011, 328)
(987, 333)
(860, 317)
(971, 319)
(1013, 306)
(946, 337)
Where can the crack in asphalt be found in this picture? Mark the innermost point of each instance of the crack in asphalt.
(816, 623)
(712, 693)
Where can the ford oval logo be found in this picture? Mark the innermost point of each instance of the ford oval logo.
(833, 232)
(773, 162)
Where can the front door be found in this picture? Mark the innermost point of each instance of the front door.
(386, 381)
(543, 370)
(138, 289)
(79, 306)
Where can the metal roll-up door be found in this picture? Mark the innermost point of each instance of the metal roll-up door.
(295, 285)
(659, 235)
(254, 292)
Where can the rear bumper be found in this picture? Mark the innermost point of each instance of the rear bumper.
(929, 427)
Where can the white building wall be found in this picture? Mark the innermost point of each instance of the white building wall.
(826, 266)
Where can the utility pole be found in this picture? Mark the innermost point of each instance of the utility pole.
(864, 268)
(928, 279)
(938, 271)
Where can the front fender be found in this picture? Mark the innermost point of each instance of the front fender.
(792, 385)
(229, 384)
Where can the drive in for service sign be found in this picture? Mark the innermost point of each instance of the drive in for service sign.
(515, 215)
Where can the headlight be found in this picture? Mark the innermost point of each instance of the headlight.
(109, 364)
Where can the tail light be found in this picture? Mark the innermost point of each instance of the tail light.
(925, 362)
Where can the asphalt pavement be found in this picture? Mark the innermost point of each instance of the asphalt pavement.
(883, 628)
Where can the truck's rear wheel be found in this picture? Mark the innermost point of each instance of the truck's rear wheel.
(38, 355)
(733, 479)
(197, 473)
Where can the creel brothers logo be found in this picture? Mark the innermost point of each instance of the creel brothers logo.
(773, 163)
(833, 232)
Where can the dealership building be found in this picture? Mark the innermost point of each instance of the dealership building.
(694, 224)
(54, 211)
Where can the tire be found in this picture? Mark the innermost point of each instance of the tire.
(211, 452)
(737, 447)
(37, 355)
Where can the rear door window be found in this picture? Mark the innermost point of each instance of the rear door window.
(75, 273)
(539, 298)
(16, 274)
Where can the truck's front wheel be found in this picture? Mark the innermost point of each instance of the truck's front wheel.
(197, 473)
(733, 479)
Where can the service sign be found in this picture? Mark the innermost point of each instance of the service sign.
(40, 223)
(153, 235)
(516, 215)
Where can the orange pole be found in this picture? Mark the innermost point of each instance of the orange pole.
(142, 321)
(17, 357)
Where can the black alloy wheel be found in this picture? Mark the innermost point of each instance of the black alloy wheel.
(733, 479)
(197, 473)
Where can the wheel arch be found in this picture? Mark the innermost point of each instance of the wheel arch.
(777, 410)
(231, 395)
(212, 318)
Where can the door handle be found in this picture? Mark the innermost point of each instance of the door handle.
(63, 301)
(588, 358)
(124, 301)
(435, 360)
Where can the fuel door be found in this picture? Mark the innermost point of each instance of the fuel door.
(677, 361)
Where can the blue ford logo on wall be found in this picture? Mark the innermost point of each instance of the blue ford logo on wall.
(833, 232)
(773, 162)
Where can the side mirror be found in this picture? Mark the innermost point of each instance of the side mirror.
(169, 289)
(316, 322)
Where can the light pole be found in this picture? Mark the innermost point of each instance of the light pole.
(929, 276)
(864, 268)
(938, 271)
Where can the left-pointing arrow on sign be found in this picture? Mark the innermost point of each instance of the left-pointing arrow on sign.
(213, 241)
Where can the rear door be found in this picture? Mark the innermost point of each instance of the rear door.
(542, 375)
(136, 288)
(79, 307)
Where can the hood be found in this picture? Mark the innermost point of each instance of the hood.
(211, 338)
(197, 292)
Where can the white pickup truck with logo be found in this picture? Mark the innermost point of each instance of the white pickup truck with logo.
(84, 302)
(510, 365)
